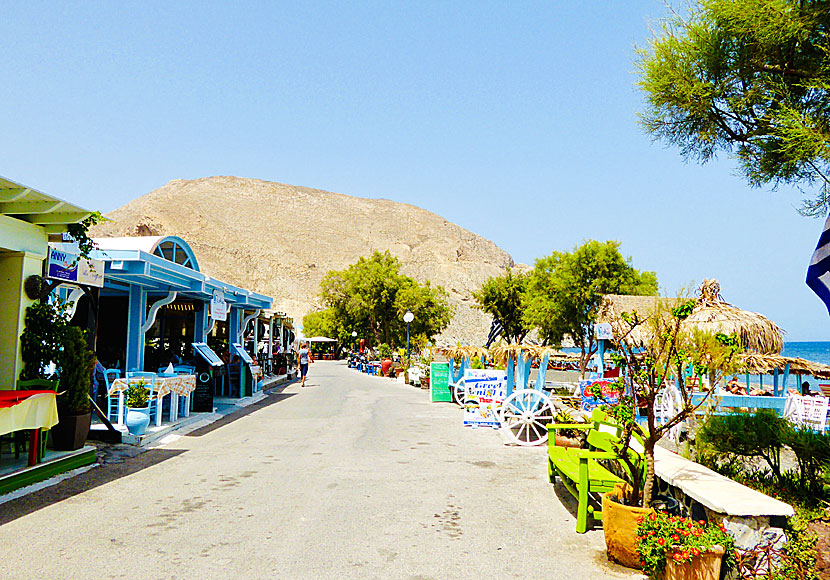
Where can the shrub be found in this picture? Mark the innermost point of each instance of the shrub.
(75, 362)
(746, 434)
(812, 450)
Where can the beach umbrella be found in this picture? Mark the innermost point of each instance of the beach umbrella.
(755, 332)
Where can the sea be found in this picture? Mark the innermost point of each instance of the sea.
(812, 351)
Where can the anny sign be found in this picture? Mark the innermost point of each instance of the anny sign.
(70, 267)
(486, 390)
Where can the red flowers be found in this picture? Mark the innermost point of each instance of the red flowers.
(661, 541)
(675, 537)
(652, 516)
(639, 519)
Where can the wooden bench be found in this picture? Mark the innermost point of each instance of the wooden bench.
(579, 469)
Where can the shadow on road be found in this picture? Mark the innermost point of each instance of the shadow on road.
(271, 399)
(91, 479)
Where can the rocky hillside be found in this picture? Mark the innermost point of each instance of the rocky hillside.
(280, 240)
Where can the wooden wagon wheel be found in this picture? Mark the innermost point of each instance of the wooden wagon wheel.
(525, 416)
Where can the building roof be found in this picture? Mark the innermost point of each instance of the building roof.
(128, 263)
(35, 207)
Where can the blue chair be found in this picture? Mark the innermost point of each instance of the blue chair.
(184, 369)
(115, 401)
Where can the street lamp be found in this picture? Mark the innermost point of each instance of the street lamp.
(354, 340)
(408, 317)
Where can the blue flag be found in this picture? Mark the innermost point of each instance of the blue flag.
(818, 273)
(495, 331)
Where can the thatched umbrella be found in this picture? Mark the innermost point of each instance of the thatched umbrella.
(762, 364)
(466, 351)
(755, 332)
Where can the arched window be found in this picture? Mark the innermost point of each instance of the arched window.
(175, 251)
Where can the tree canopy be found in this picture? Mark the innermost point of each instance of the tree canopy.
(370, 297)
(565, 290)
(502, 297)
(750, 78)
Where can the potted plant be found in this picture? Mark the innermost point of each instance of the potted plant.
(137, 400)
(651, 351)
(677, 548)
(75, 362)
(568, 437)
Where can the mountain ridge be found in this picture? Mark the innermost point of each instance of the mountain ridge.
(280, 240)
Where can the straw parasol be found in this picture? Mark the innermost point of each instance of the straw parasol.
(466, 351)
(761, 364)
(755, 332)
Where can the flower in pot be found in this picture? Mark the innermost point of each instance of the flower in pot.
(654, 350)
(75, 362)
(569, 437)
(677, 547)
(137, 399)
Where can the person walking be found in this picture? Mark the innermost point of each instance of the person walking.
(304, 357)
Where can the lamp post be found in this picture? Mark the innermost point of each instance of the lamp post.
(408, 317)
(354, 340)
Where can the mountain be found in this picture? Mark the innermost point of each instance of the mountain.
(280, 240)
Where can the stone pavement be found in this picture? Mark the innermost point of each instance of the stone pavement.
(349, 477)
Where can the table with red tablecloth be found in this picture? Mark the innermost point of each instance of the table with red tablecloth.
(28, 410)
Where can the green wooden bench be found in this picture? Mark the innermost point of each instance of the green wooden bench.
(579, 469)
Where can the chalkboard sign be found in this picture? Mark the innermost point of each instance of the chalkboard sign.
(203, 395)
(439, 383)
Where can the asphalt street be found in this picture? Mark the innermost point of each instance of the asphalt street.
(350, 477)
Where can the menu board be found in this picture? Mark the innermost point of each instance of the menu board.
(207, 353)
(243, 354)
(439, 383)
(486, 391)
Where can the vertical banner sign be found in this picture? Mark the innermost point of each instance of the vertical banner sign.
(218, 307)
(439, 383)
(486, 390)
(610, 395)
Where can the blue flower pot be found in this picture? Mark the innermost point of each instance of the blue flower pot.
(137, 420)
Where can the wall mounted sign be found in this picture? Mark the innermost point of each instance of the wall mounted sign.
(218, 307)
(69, 267)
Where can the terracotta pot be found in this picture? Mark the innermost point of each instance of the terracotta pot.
(619, 522)
(562, 441)
(703, 567)
(71, 431)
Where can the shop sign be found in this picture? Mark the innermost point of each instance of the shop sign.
(486, 390)
(608, 390)
(69, 267)
(218, 307)
(603, 331)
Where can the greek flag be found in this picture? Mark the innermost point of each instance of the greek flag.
(495, 331)
(818, 274)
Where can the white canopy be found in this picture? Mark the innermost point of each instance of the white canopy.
(320, 339)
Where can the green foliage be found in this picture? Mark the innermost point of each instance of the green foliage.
(661, 537)
(371, 297)
(40, 342)
(137, 395)
(80, 233)
(384, 351)
(750, 78)
(566, 289)
(325, 323)
(799, 562)
(503, 298)
(75, 363)
(812, 451)
(758, 434)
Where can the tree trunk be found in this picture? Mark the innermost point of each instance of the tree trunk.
(649, 483)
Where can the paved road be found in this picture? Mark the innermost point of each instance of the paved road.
(349, 477)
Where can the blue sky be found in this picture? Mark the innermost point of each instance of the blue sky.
(517, 121)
